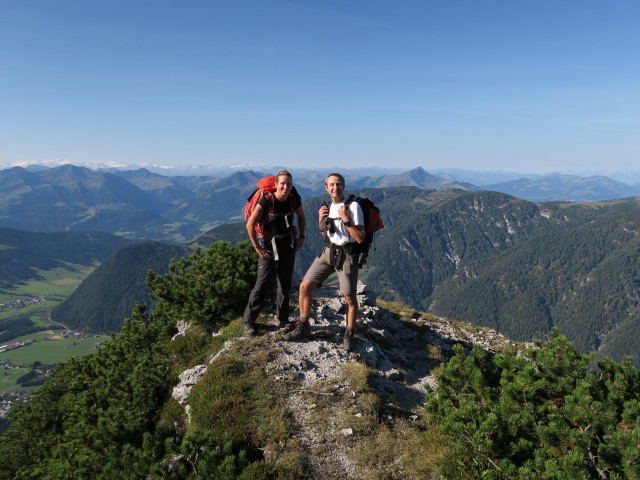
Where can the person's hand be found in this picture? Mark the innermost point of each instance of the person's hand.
(299, 242)
(323, 213)
(263, 252)
(343, 213)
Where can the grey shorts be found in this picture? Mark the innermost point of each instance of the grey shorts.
(321, 269)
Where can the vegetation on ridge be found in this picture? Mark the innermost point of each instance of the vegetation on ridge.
(540, 414)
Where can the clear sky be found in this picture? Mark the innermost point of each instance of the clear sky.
(518, 85)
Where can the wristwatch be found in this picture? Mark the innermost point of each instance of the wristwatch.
(348, 224)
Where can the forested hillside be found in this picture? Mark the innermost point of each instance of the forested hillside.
(584, 280)
(23, 253)
(109, 294)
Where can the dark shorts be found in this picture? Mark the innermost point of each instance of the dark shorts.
(321, 269)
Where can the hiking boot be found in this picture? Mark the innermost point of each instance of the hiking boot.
(286, 326)
(347, 340)
(250, 330)
(301, 331)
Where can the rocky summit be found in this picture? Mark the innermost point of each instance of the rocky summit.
(399, 349)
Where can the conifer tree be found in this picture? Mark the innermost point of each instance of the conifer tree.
(207, 287)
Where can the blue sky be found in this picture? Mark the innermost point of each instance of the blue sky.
(532, 86)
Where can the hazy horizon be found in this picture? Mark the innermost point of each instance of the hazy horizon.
(628, 176)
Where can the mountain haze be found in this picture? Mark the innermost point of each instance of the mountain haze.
(566, 188)
(142, 205)
(417, 177)
(75, 198)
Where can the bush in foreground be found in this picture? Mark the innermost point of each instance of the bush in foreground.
(540, 415)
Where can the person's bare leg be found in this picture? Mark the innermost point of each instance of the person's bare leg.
(302, 329)
(352, 316)
(305, 297)
(352, 309)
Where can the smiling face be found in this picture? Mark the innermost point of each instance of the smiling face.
(334, 185)
(284, 184)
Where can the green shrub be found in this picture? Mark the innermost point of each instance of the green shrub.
(206, 288)
(539, 415)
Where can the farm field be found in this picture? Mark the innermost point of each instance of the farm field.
(51, 351)
(32, 301)
(57, 283)
(8, 377)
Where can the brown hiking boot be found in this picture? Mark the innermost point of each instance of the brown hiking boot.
(301, 331)
(347, 340)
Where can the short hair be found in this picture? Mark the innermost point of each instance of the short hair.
(283, 173)
(334, 175)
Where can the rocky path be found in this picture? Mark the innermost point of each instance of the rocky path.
(400, 355)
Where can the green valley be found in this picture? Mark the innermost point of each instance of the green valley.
(24, 317)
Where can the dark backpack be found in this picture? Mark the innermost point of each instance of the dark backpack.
(372, 223)
(266, 187)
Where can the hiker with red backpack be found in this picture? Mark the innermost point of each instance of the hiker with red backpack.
(270, 211)
(342, 226)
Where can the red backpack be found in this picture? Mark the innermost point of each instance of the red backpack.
(266, 187)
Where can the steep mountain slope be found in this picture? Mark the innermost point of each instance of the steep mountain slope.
(429, 235)
(583, 280)
(110, 292)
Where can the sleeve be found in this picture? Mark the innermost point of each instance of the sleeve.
(263, 203)
(356, 213)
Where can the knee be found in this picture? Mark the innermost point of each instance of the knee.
(306, 288)
(351, 300)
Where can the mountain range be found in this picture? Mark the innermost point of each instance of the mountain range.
(142, 205)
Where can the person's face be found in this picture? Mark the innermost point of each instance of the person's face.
(335, 188)
(283, 186)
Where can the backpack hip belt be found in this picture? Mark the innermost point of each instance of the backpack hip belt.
(293, 234)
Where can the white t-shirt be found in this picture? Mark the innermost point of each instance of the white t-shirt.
(341, 236)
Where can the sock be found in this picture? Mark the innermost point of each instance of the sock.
(304, 319)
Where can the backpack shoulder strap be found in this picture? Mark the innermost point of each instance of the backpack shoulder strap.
(350, 199)
(272, 202)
